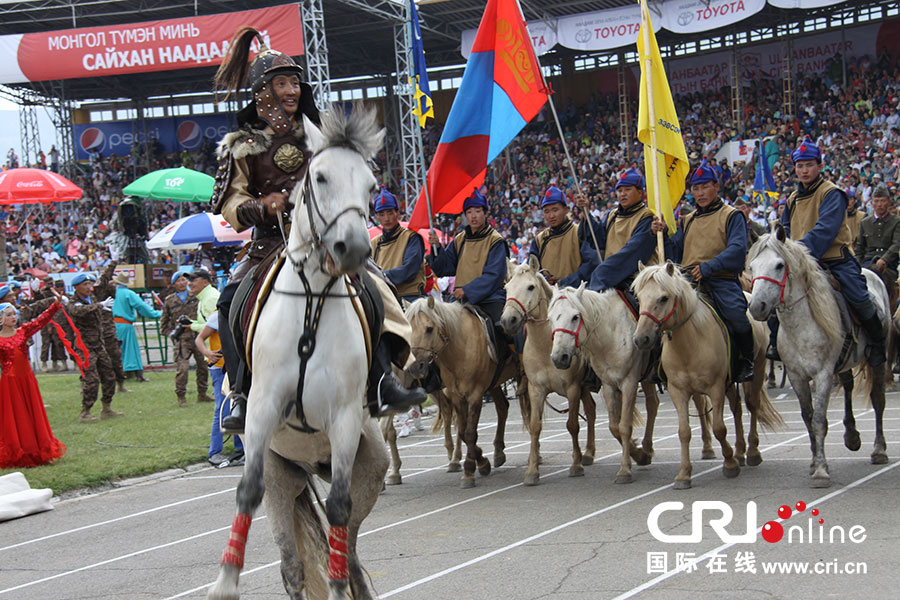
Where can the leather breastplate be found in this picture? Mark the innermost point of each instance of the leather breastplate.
(281, 167)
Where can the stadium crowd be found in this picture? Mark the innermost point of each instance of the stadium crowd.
(851, 110)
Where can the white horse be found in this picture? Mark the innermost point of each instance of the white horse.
(787, 279)
(328, 239)
(601, 326)
(527, 299)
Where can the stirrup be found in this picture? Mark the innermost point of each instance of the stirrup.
(233, 424)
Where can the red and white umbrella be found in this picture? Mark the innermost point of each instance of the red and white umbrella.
(35, 186)
(193, 230)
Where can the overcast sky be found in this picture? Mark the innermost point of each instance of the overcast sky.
(9, 130)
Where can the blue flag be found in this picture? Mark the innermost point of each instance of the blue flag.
(424, 106)
(764, 183)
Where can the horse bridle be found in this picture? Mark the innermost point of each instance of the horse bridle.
(661, 322)
(525, 312)
(575, 333)
(781, 284)
(432, 354)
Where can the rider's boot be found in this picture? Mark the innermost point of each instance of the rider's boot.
(874, 329)
(744, 368)
(772, 350)
(386, 395)
(233, 424)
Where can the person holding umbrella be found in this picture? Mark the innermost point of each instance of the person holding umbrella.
(125, 309)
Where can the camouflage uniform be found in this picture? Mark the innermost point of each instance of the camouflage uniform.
(86, 315)
(51, 345)
(104, 289)
(184, 347)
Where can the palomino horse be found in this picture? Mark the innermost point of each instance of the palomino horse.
(454, 338)
(442, 422)
(601, 326)
(328, 238)
(695, 358)
(811, 340)
(527, 299)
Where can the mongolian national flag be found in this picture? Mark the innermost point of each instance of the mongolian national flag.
(673, 161)
(764, 183)
(502, 90)
(422, 95)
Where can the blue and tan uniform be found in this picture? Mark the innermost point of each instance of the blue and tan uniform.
(560, 250)
(400, 253)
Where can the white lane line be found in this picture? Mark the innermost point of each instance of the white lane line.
(781, 396)
(552, 530)
(647, 585)
(117, 519)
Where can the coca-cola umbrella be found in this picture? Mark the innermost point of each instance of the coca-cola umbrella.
(35, 186)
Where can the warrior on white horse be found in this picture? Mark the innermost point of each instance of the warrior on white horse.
(259, 166)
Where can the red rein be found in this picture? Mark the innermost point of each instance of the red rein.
(337, 556)
(569, 331)
(659, 322)
(234, 551)
(781, 284)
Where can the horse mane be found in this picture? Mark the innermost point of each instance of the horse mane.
(592, 303)
(447, 316)
(360, 131)
(824, 309)
(675, 285)
(546, 288)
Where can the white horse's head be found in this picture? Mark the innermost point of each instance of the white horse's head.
(525, 291)
(332, 206)
(665, 297)
(566, 318)
(769, 272)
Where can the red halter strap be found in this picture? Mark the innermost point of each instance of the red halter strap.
(511, 299)
(781, 284)
(659, 322)
(575, 333)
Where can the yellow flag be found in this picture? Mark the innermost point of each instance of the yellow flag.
(673, 162)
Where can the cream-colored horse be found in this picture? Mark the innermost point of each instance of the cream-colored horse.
(454, 338)
(600, 327)
(527, 300)
(695, 359)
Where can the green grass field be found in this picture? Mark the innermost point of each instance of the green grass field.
(154, 435)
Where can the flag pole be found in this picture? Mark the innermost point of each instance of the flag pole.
(411, 75)
(651, 113)
(425, 179)
(562, 139)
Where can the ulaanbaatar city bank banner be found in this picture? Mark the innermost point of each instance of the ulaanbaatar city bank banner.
(174, 134)
(142, 47)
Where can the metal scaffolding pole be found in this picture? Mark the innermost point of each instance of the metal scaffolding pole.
(412, 169)
(316, 51)
(737, 111)
(787, 79)
(61, 115)
(624, 121)
(29, 134)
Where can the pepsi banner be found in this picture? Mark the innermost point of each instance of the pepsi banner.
(174, 134)
(143, 47)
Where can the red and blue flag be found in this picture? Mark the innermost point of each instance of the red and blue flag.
(501, 91)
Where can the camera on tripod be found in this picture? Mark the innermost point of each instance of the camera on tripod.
(183, 324)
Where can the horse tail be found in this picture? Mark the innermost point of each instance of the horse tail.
(312, 546)
(524, 405)
(767, 414)
(866, 388)
(445, 411)
(637, 419)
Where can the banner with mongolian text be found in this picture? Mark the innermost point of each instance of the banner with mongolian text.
(142, 47)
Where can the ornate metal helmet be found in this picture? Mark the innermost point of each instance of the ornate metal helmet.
(269, 63)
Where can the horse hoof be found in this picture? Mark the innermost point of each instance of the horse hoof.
(587, 461)
(531, 480)
(623, 479)
(394, 479)
(499, 460)
(852, 441)
(879, 458)
(754, 460)
(682, 484)
(467, 481)
(708, 455)
(641, 458)
(820, 482)
(732, 472)
(454, 467)
(741, 460)
(486, 469)
(576, 471)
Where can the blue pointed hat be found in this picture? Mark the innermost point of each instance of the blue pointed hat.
(631, 177)
(553, 195)
(807, 150)
(384, 200)
(4, 291)
(476, 199)
(703, 173)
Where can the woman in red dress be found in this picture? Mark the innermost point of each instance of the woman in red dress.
(26, 439)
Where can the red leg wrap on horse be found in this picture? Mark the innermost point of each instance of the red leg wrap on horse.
(234, 550)
(337, 557)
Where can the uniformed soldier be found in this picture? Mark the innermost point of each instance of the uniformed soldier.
(259, 165)
(711, 246)
(179, 309)
(816, 216)
(104, 288)
(878, 243)
(85, 314)
(625, 237)
(52, 347)
(564, 257)
(400, 252)
(477, 257)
